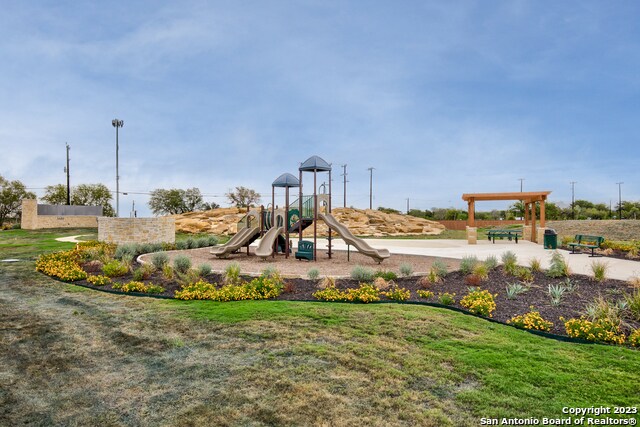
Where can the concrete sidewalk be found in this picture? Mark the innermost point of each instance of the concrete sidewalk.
(525, 251)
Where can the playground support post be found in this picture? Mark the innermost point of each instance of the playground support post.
(300, 211)
(286, 222)
(329, 212)
(315, 214)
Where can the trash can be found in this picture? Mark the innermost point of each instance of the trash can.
(550, 239)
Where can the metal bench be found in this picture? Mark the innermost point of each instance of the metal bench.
(586, 241)
(501, 234)
(305, 250)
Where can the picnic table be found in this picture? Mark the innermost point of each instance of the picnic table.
(511, 234)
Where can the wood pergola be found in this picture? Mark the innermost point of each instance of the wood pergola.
(529, 198)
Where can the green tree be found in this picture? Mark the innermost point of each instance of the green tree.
(81, 195)
(177, 201)
(389, 210)
(243, 197)
(11, 195)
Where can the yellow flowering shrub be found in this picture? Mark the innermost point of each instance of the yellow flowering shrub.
(479, 302)
(197, 290)
(425, 294)
(330, 293)
(93, 249)
(115, 268)
(259, 288)
(62, 265)
(600, 330)
(397, 294)
(531, 320)
(141, 287)
(634, 338)
(99, 280)
(365, 293)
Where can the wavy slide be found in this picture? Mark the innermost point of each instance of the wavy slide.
(265, 248)
(240, 239)
(360, 244)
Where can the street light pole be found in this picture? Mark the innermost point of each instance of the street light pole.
(619, 199)
(344, 174)
(68, 178)
(117, 124)
(370, 187)
(573, 200)
(521, 179)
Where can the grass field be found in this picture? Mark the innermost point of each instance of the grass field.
(72, 356)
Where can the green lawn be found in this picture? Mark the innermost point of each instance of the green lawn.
(71, 356)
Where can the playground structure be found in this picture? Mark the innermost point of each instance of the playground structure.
(275, 225)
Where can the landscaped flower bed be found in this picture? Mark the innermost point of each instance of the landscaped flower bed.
(591, 308)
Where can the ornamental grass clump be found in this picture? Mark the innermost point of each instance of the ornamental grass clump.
(633, 304)
(397, 294)
(481, 271)
(232, 274)
(362, 274)
(559, 266)
(181, 264)
(531, 320)
(313, 274)
(115, 268)
(440, 268)
(600, 330)
(602, 309)
(479, 302)
(385, 274)
(167, 272)
(99, 280)
(599, 269)
(509, 262)
(467, 264)
(535, 265)
(491, 262)
(524, 274)
(143, 272)
(406, 270)
(204, 270)
(159, 260)
(62, 265)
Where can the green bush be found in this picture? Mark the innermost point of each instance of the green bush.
(406, 269)
(204, 270)
(491, 262)
(181, 264)
(129, 249)
(481, 271)
(313, 274)
(115, 268)
(524, 274)
(202, 242)
(535, 265)
(599, 269)
(447, 298)
(509, 262)
(633, 302)
(386, 275)
(467, 264)
(191, 243)
(362, 274)
(159, 260)
(182, 245)
(440, 268)
(232, 274)
(212, 241)
(558, 267)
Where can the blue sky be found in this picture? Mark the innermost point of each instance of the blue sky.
(442, 98)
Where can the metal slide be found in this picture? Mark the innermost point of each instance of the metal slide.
(265, 248)
(360, 244)
(240, 239)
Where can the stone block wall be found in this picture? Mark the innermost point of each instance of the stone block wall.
(136, 230)
(32, 221)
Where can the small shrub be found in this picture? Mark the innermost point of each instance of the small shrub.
(467, 263)
(406, 270)
(212, 241)
(556, 292)
(327, 282)
(232, 274)
(386, 275)
(191, 243)
(524, 274)
(94, 266)
(634, 338)
(330, 293)
(397, 294)
(605, 310)
(99, 280)
(127, 259)
(479, 302)
(365, 293)
(362, 274)
(270, 271)
(633, 302)
(159, 260)
(473, 280)
(167, 272)
(115, 268)
(570, 285)
(447, 298)
(145, 248)
(288, 287)
(600, 330)
(509, 262)
(182, 245)
(558, 267)
(129, 249)
(136, 286)
(313, 274)
(632, 253)
(190, 276)
(481, 271)
(599, 269)
(425, 294)
(181, 264)
(382, 284)
(515, 289)
(202, 242)
(204, 270)
(196, 291)
(440, 268)
(138, 274)
(531, 320)
(535, 265)
(491, 262)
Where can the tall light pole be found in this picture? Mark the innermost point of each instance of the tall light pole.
(619, 199)
(521, 179)
(117, 124)
(370, 187)
(573, 200)
(344, 174)
(407, 206)
(66, 169)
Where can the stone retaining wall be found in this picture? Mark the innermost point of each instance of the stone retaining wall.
(136, 230)
(32, 221)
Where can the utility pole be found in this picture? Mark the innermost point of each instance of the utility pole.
(573, 200)
(619, 199)
(521, 179)
(344, 175)
(117, 124)
(370, 187)
(66, 169)
(407, 206)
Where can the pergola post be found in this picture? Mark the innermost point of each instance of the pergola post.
(534, 233)
(471, 221)
(542, 213)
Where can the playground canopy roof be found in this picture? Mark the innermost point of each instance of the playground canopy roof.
(286, 180)
(529, 196)
(315, 163)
